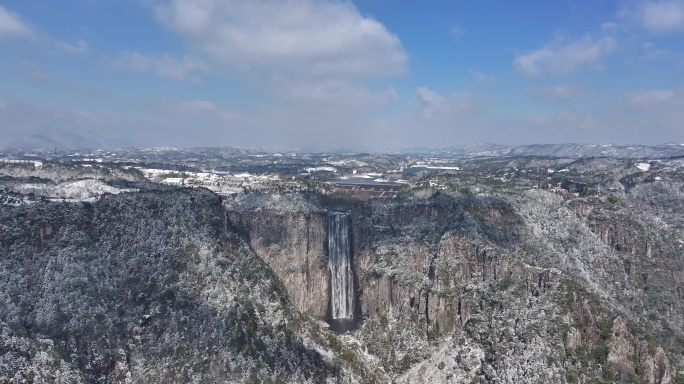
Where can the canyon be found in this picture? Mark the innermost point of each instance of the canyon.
(129, 281)
(528, 276)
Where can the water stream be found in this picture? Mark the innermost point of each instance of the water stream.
(340, 264)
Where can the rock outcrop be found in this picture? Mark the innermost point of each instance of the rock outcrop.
(147, 287)
(294, 246)
(633, 360)
(521, 282)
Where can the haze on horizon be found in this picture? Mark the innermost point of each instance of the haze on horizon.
(326, 73)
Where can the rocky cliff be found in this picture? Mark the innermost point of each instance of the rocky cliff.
(182, 286)
(294, 245)
(148, 288)
(520, 288)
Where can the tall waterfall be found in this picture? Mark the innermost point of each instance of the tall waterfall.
(340, 264)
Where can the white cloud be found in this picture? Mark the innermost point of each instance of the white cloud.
(564, 121)
(561, 127)
(456, 31)
(649, 53)
(432, 105)
(320, 37)
(560, 57)
(184, 68)
(196, 106)
(558, 93)
(653, 53)
(11, 24)
(609, 26)
(340, 92)
(658, 16)
(651, 100)
(193, 112)
(644, 117)
(34, 71)
(435, 120)
(305, 55)
(78, 48)
(430, 97)
(483, 78)
(27, 125)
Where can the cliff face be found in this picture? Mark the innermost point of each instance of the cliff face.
(175, 286)
(146, 288)
(647, 273)
(409, 257)
(294, 246)
(524, 289)
(415, 258)
(629, 355)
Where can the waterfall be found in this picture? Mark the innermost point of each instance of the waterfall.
(339, 262)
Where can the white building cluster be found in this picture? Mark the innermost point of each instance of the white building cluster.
(219, 182)
(36, 164)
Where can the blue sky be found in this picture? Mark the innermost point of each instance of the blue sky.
(314, 74)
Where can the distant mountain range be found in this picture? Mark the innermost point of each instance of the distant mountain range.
(51, 138)
(84, 140)
(559, 150)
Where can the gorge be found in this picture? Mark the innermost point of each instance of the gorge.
(521, 281)
(183, 285)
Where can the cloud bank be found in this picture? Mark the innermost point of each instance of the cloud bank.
(657, 16)
(11, 24)
(305, 36)
(561, 57)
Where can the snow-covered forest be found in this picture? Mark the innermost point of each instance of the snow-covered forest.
(468, 275)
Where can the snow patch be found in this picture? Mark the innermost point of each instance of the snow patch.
(643, 166)
(75, 190)
(321, 169)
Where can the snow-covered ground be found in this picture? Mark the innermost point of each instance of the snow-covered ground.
(73, 190)
(14, 200)
(643, 166)
(421, 164)
(347, 163)
(321, 169)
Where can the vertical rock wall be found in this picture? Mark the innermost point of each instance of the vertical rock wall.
(444, 264)
(294, 246)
